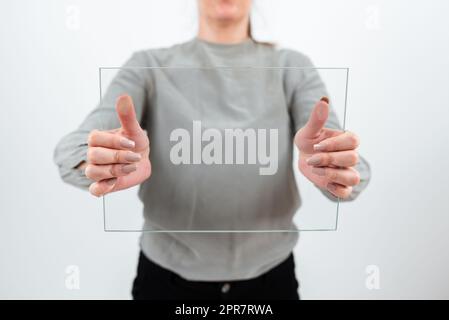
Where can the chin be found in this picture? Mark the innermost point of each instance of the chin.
(228, 10)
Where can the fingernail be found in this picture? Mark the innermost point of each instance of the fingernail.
(128, 168)
(314, 160)
(111, 182)
(331, 187)
(319, 147)
(325, 99)
(132, 157)
(126, 143)
(319, 171)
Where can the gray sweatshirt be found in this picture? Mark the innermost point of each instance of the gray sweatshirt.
(183, 196)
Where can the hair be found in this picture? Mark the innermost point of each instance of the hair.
(250, 33)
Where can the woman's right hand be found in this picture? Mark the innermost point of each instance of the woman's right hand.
(118, 159)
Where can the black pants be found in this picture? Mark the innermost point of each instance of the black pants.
(156, 283)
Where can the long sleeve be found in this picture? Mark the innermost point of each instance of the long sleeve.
(72, 148)
(303, 89)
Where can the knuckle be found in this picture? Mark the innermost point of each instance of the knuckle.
(113, 170)
(356, 178)
(116, 156)
(346, 192)
(93, 189)
(351, 158)
(354, 158)
(328, 158)
(95, 154)
(352, 178)
(91, 138)
(354, 139)
(90, 155)
(332, 175)
(88, 172)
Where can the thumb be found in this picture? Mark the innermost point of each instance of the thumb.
(317, 119)
(127, 115)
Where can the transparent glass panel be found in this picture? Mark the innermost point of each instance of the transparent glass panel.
(221, 148)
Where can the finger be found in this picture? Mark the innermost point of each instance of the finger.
(343, 176)
(340, 159)
(344, 141)
(105, 139)
(102, 187)
(100, 155)
(339, 190)
(102, 172)
(127, 115)
(317, 119)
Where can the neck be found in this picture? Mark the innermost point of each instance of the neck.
(224, 32)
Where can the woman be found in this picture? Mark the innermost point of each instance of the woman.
(214, 265)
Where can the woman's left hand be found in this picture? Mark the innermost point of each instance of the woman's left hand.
(326, 156)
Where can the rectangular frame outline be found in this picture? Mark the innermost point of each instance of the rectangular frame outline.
(335, 228)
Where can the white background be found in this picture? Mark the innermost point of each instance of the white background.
(398, 103)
